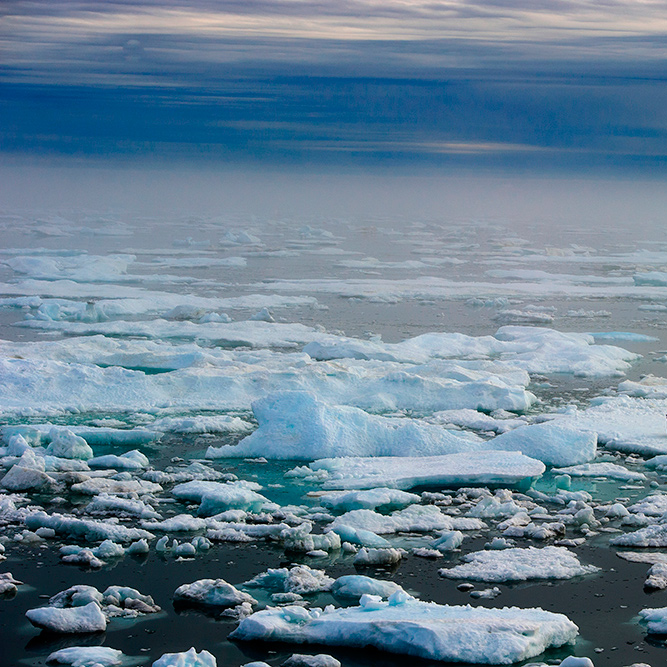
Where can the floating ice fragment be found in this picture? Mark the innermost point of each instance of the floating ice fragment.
(367, 557)
(320, 660)
(655, 620)
(299, 579)
(75, 620)
(212, 593)
(187, 659)
(353, 586)
(65, 444)
(297, 425)
(87, 656)
(382, 499)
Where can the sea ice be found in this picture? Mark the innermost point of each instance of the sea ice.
(423, 629)
(87, 656)
(296, 425)
(74, 620)
(353, 586)
(611, 470)
(654, 536)
(383, 499)
(655, 620)
(217, 497)
(482, 468)
(371, 557)
(212, 593)
(86, 529)
(299, 579)
(188, 658)
(551, 442)
(515, 564)
(320, 660)
(413, 519)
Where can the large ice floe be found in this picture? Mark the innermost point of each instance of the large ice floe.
(487, 468)
(516, 564)
(423, 629)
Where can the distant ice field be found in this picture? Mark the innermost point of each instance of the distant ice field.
(465, 418)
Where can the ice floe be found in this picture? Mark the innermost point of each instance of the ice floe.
(516, 564)
(422, 629)
(487, 468)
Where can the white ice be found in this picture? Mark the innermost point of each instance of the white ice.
(212, 593)
(188, 658)
(450, 470)
(516, 564)
(75, 620)
(299, 579)
(426, 630)
(87, 656)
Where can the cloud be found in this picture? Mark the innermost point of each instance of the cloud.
(481, 79)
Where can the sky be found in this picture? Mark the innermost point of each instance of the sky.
(569, 85)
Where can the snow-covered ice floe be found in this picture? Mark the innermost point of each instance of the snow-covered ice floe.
(424, 629)
(515, 564)
(481, 468)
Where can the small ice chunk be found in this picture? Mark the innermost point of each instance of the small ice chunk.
(299, 579)
(382, 499)
(449, 540)
(355, 585)
(263, 315)
(212, 593)
(378, 557)
(22, 479)
(655, 620)
(656, 579)
(188, 658)
(87, 656)
(67, 445)
(320, 660)
(486, 594)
